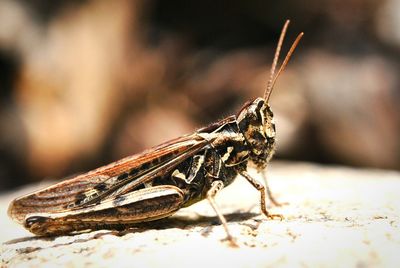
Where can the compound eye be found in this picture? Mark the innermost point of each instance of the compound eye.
(254, 118)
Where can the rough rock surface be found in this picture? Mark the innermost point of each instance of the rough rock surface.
(336, 217)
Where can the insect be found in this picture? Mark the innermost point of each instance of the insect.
(157, 182)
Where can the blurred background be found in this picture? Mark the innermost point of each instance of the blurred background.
(84, 83)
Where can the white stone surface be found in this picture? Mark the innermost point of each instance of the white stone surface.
(336, 217)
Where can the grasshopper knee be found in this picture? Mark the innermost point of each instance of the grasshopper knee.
(216, 186)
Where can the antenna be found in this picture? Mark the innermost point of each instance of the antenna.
(273, 77)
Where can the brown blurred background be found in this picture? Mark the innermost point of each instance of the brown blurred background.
(84, 83)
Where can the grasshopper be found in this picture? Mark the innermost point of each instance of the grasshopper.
(156, 183)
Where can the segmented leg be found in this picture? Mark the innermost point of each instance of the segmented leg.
(269, 193)
(217, 186)
(262, 189)
(139, 206)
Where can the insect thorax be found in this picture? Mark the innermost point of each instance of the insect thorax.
(256, 122)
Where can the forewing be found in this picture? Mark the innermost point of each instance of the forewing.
(116, 177)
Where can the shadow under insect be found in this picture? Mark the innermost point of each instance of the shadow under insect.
(176, 221)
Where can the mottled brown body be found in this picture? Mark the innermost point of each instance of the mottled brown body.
(156, 183)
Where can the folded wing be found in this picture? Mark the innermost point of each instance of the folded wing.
(110, 180)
